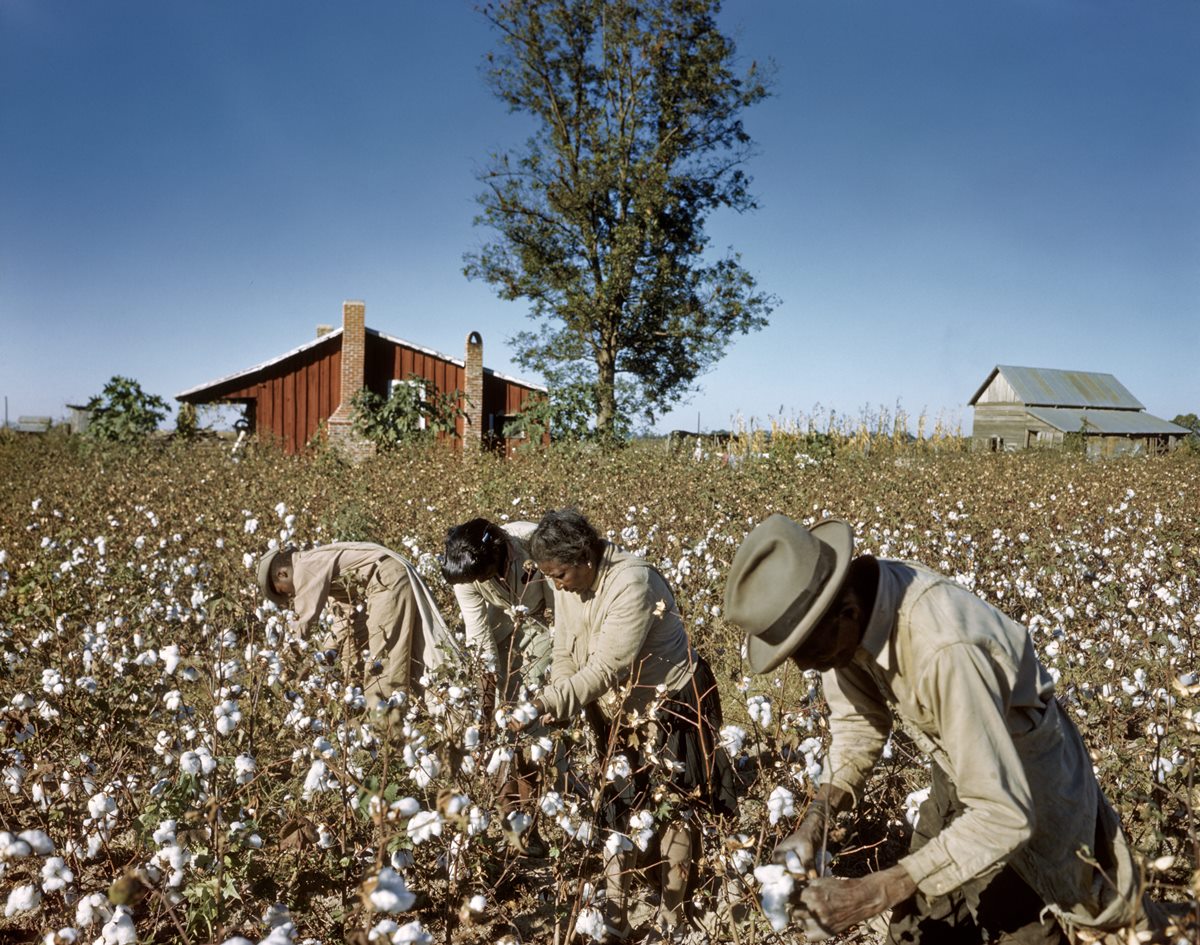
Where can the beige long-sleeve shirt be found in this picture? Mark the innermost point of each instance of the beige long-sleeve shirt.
(334, 572)
(624, 631)
(487, 606)
(963, 681)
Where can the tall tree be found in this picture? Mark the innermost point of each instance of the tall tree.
(600, 216)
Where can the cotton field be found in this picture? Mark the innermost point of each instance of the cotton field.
(177, 765)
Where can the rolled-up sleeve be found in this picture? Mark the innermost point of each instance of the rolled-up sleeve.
(615, 646)
(961, 690)
(859, 724)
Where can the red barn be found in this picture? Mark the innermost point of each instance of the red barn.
(292, 395)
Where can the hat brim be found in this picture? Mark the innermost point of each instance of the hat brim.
(764, 656)
(264, 580)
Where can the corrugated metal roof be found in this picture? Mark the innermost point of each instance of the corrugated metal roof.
(1051, 387)
(1113, 422)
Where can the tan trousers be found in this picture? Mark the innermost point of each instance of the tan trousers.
(387, 631)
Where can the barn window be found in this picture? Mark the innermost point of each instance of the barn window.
(418, 387)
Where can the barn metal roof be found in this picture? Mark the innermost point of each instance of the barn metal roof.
(328, 336)
(1112, 422)
(1050, 387)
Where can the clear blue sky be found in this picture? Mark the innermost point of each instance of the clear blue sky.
(189, 188)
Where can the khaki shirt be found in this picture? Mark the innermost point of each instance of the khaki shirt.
(624, 631)
(339, 571)
(964, 683)
(487, 606)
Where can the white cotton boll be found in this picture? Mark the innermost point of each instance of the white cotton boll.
(228, 716)
(237, 940)
(541, 748)
(101, 806)
(759, 709)
(325, 838)
(518, 822)
(91, 909)
(247, 561)
(618, 769)
(732, 738)
(56, 875)
(617, 843)
(14, 777)
(189, 763)
(277, 916)
(407, 806)
(742, 861)
(23, 701)
(641, 825)
(382, 931)
(390, 893)
(22, 899)
(424, 825)
(170, 658)
(245, 768)
(64, 936)
(777, 885)
(119, 930)
(499, 757)
(470, 738)
(477, 821)
(39, 842)
(428, 767)
(525, 713)
(411, 933)
(316, 780)
(912, 806)
(322, 747)
(781, 803)
(165, 833)
(455, 804)
(590, 923)
(284, 934)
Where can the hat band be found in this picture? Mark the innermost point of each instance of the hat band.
(779, 631)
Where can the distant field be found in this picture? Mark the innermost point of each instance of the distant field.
(130, 623)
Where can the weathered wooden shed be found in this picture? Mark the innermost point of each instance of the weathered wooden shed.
(1020, 407)
(291, 396)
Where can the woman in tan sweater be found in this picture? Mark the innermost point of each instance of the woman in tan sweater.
(622, 657)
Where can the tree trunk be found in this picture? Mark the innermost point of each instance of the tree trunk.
(606, 394)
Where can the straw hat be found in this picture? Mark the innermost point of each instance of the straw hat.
(783, 579)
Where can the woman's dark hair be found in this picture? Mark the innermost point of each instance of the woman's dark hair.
(475, 551)
(565, 536)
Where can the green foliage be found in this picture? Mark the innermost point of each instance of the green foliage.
(1189, 420)
(600, 218)
(411, 413)
(123, 412)
(569, 413)
(186, 421)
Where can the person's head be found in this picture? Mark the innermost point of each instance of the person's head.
(475, 551)
(275, 576)
(567, 550)
(795, 593)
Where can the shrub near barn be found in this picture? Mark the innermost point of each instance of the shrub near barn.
(178, 765)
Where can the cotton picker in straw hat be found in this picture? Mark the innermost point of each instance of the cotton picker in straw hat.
(1017, 838)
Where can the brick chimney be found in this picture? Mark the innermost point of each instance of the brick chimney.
(354, 343)
(473, 422)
